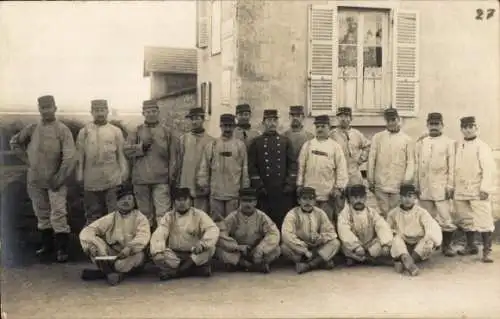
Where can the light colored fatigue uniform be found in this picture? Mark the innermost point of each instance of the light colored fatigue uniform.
(366, 229)
(191, 149)
(246, 135)
(257, 231)
(298, 138)
(153, 169)
(103, 166)
(177, 234)
(224, 169)
(322, 166)
(113, 232)
(414, 230)
(475, 171)
(356, 148)
(298, 230)
(51, 155)
(391, 162)
(435, 166)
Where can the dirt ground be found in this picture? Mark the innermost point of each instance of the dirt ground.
(459, 287)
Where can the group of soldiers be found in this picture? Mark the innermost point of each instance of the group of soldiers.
(248, 197)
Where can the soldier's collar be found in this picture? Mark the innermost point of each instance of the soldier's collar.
(245, 126)
(271, 133)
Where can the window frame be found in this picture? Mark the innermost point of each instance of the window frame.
(218, 31)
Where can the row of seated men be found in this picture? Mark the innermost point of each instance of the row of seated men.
(187, 239)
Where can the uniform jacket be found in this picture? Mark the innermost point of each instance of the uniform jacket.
(224, 168)
(322, 166)
(271, 163)
(191, 147)
(360, 228)
(391, 161)
(414, 225)
(246, 136)
(257, 231)
(118, 231)
(51, 152)
(102, 161)
(475, 169)
(154, 164)
(298, 228)
(356, 148)
(298, 138)
(182, 232)
(435, 167)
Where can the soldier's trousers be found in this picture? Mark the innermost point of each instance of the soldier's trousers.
(99, 203)
(221, 208)
(233, 257)
(474, 215)
(326, 251)
(373, 248)
(276, 206)
(202, 202)
(441, 211)
(153, 200)
(50, 208)
(121, 265)
(423, 248)
(332, 207)
(386, 202)
(171, 260)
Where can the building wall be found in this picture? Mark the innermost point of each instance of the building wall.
(173, 109)
(459, 62)
(163, 83)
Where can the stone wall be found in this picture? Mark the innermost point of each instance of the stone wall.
(174, 107)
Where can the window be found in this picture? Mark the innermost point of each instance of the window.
(201, 24)
(205, 97)
(216, 20)
(357, 58)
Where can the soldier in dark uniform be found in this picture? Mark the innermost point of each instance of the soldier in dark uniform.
(272, 167)
(296, 133)
(244, 130)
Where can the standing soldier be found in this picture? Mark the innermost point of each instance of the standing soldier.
(102, 165)
(223, 170)
(244, 130)
(474, 185)
(296, 133)
(191, 148)
(50, 149)
(354, 144)
(322, 166)
(273, 169)
(391, 162)
(435, 162)
(152, 151)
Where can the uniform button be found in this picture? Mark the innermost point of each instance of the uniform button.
(277, 137)
(278, 159)
(267, 160)
(267, 175)
(265, 145)
(267, 167)
(265, 153)
(278, 145)
(278, 167)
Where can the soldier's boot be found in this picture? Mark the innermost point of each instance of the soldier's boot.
(62, 255)
(168, 274)
(328, 265)
(47, 245)
(114, 278)
(350, 262)
(204, 270)
(487, 242)
(446, 248)
(470, 247)
(308, 266)
(409, 264)
(399, 267)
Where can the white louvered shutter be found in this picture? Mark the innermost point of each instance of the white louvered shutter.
(322, 59)
(405, 66)
(202, 24)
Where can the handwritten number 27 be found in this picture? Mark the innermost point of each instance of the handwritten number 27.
(480, 13)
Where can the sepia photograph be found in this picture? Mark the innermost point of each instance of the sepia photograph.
(250, 159)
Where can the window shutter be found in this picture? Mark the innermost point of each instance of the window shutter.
(322, 59)
(202, 24)
(203, 94)
(405, 65)
(209, 98)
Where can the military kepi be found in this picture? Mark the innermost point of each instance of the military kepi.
(356, 190)
(248, 193)
(344, 111)
(296, 110)
(435, 118)
(196, 111)
(322, 119)
(46, 100)
(240, 108)
(124, 190)
(270, 114)
(182, 192)
(468, 120)
(227, 119)
(307, 191)
(391, 113)
(149, 104)
(98, 103)
(407, 189)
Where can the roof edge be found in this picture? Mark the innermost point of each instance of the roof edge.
(178, 93)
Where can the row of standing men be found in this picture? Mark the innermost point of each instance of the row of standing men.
(276, 165)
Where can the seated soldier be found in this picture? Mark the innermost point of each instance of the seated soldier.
(416, 233)
(184, 242)
(365, 235)
(309, 237)
(248, 238)
(124, 233)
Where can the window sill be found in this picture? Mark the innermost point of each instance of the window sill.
(216, 53)
(366, 118)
